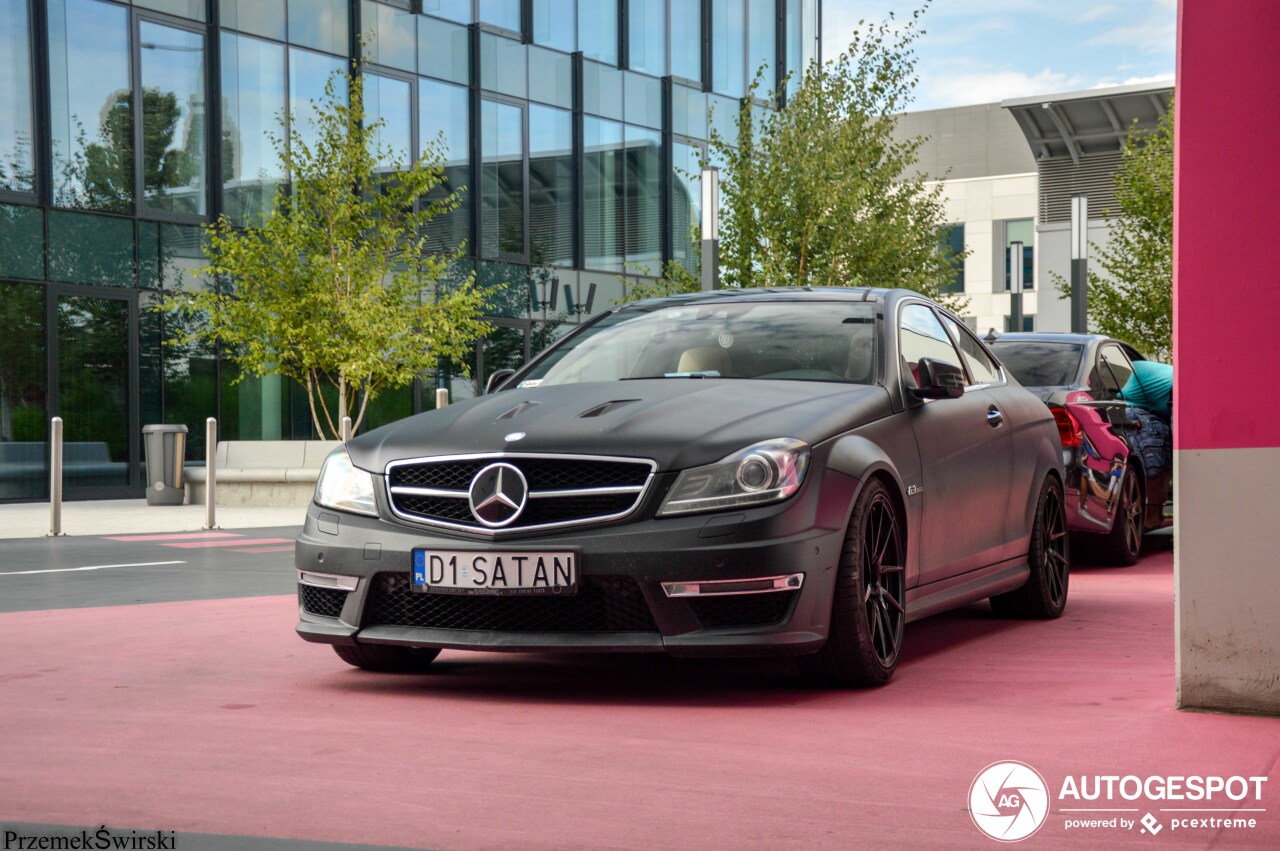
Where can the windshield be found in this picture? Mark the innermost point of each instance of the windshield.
(786, 341)
(1039, 364)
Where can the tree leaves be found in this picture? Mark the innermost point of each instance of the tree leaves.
(336, 288)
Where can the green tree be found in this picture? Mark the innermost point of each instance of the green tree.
(1132, 297)
(336, 288)
(822, 193)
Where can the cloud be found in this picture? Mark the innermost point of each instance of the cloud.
(1154, 31)
(1097, 13)
(971, 87)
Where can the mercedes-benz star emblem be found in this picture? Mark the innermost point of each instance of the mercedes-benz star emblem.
(498, 494)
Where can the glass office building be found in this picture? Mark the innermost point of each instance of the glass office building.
(575, 126)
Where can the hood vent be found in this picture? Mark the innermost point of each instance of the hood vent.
(601, 410)
(518, 409)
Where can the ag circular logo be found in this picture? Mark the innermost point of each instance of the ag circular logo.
(1008, 801)
(498, 494)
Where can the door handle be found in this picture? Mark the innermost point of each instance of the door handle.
(995, 419)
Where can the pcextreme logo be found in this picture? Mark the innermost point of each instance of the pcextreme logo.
(1009, 801)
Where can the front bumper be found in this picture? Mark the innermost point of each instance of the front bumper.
(621, 604)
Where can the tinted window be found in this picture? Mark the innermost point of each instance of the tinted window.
(769, 341)
(1040, 364)
(981, 368)
(1114, 369)
(921, 335)
(17, 163)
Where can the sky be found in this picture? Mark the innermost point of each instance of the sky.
(983, 51)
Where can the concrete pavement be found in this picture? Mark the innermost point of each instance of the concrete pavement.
(131, 516)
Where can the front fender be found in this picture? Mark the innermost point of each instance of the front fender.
(886, 449)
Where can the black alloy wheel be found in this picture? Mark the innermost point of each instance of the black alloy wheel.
(1049, 557)
(869, 606)
(1123, 545)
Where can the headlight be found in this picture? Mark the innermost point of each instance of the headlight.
(344, 487)
(766, 472)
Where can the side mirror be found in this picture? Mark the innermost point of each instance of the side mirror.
(496, 378)
(939, 380)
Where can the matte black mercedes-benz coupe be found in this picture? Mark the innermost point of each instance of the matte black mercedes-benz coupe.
(741, 472)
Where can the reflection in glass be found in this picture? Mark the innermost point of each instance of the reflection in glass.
(193, 9)
(723, 117)
(504, 13)
(603, 174)
(253, 86)
(506, 285)
(308, 74)
(181, 258)
(502, 179)
(91, 109)
(454, 10)
(802, 39)
(21, 242)
(93, 390)
(553, 23)
(17, 163)
(388, 99)
(551, 187)
(321, 24)
(598, 31)
(688, 112)
(686, 203)
(443, 111)
(601, 90)
(503, 348)
(686, 39)
(647, 45)
(644, 200)
(502, 65)
(643, 100)
(728, 62)
(23, 418)
(444, 50)
(260, 17)
(90, 249)
(762, 47)
(391, 35)
(550, 77)
(173, 118)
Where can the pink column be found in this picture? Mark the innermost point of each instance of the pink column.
(1227, 354)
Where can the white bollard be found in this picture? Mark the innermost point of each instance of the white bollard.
(442, 397)
(210, 447)
(55, 477)
(346, 429)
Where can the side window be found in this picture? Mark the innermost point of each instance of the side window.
(980, 365)
(1114, 369)
(921, 335)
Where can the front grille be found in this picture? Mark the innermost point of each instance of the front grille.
(602, 604)
(326, 602)
(735, 610)
(545, 474)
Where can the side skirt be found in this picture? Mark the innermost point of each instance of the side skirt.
(970, 587)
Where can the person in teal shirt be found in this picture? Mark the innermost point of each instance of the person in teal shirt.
(1150, 387)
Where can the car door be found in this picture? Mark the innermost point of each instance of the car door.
(965, 456)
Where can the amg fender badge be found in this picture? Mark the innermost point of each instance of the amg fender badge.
(912, 490)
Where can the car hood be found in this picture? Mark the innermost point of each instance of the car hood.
(677, 422)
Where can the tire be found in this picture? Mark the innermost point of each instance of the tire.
(386, 657)
(868, 609)
(1123, 544)
(1045, 593)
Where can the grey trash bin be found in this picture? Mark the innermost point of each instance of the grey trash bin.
(166, 446)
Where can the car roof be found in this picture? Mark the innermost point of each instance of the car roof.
(802, 294)
(1050, 337)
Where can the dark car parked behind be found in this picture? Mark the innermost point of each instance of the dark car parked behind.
(1118, 456)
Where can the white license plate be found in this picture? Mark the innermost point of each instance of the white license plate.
(472, 572)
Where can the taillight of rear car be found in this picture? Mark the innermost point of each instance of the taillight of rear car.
(1069, 430)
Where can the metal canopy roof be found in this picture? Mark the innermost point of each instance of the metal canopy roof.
(1089, 122)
